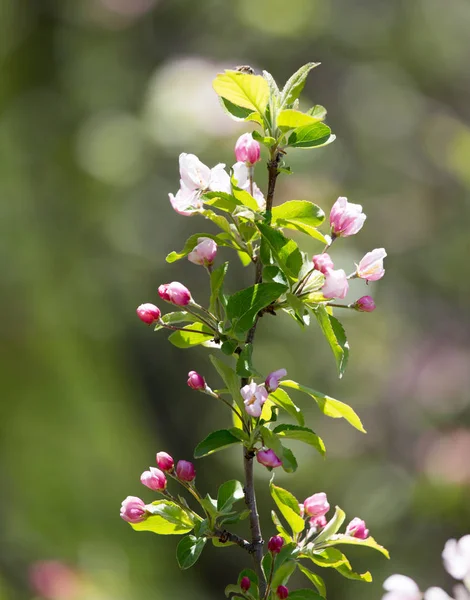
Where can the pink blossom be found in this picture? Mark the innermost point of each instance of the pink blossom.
(272, 380)
(247, 149)
(346, 218)
(148, 313)
(254, 397)
(196, 381)
(53, 580)
(365, 304)
(322, 262)
(185, 470)
(154, 479)
(318, 522)
(204, 253)
(268, 459)
(275, 544)
(241, 176)
(245, 584)
(186, 202)
(336, 284)
(282, 592)
(133, 510)
(165, 461)
(316, 505)
(176, 293)
(357, 528)
(371, 267)
(401, 587)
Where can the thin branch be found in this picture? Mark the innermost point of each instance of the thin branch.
(225, 536)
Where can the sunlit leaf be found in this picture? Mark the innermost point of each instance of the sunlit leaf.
(331, 527)
(301, 434)
(167, 519)
(289, 507)
(369, 542)
(335, 336)
(282, 399)
(285, 251)
(248, 91)
(215, 441)
(189, 336)
(311, 136)
(314, 578)
(189, 550)
(295, 84)
(229, 492)
(243, 306)
(291, 119)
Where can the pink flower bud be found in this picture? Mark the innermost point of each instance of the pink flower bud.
(165, 461)
(316, 505)
(268, 459)
(275, 544)
(245, 584)
(371, 266)
(247, 149)
(204, 253)
(357, 529)
(365, 304)
(133, 510)
(272, 380)
(175, 292)
(346, 218)
(148, 313)
(318, 522)
(254, 397)
(282, 592)
(323, 262)
(154, 479)
(185, 470)
(336, 284)
(196, 381)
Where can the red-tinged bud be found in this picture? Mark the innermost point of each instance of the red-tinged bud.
(148, 313)
(154, 479)
(275, 544)
(245, 584)
(316, 505)
(267, 458)
(323, 262)
(176, 293)
(185, 470)
(282, 592)
(196, 381)
(247, 149)
(165, 461)
(204, 253)
(357, 528)
(133, 510)
(365, 304)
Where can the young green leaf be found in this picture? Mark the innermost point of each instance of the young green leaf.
(301, 434)
(238, 113)
(176, 317)
(247, 91)
(222, 201)
(280, 529)
(221, 222)
(311, 136)
(243, 306)
(190, 336)
(295, 84)
(229, 493)
(302, 211)
(314, 578)
(265, 140)
(328, 558)
(230, 379)
(317, 111)
(289, 507)
(217, 281)
(285, 251)
(282, 399)
(335, 336)
(289, 462)
(244, 366)
(337, 540)
(271, 441)
(167, 518)
(282, 574)
(215, 441)
(291, 119)
(275, 275)
(189, 550)
(331, 528)
(329, 406)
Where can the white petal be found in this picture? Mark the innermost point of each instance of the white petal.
(401, 583)
(240, 173)
(194, 174)
(456, 560)
(436, 593)
(219, 180)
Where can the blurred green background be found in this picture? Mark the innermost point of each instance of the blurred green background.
(97, 100)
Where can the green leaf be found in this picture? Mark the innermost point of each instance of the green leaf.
(311, 136)
(221, 222)
(282, 399)
(245, 198)
(244, 366)
(314, 578)
(369, 542)
(251, 576)
(217, 281)
(240, 434)
(299, 212)
(301, 434)
(229, 493)
(222, 201)
(329, 406)
(285, 250)
(332, 526)
(189, 337)
(176, 317)
(328, 558)
(297, 306)
(265, 140)
(275, 275)
(317, 111)
(280, 529)
(295, 84)
(247, 91)
(335, 336)
(346, 571)
(271, 441)
(243, 306)
(304, 595)
(192, 242)
(289, 507)
(167, 518)
(215, 441)
(189, 550)
(230, 378)
(282, 574)
(245, 258)
(238, 113)
(291, 119)
(229, 346)
(232, 588)
(289, 462)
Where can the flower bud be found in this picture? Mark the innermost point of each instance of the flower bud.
(247, 149)
(316, 505)
(268, 459)
(165, 461)
(371, 267)
(318, 522)
(365, 304)
(133, 510)
(175, 292)
(245, 584)
(282, 592)
(196, 381)
(357, 528)
(204, 253)
(272, 380)
(154, 479)
(346, 218)
(148, 313)
(323, 262)
(185, 470)
(275, 544)
(336, 284)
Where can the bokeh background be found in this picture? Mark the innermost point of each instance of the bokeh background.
(97, 100)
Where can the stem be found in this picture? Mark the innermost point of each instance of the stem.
(273, 173)
(225, 536)
(208, 323)
(270, 578)
(174, 328)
